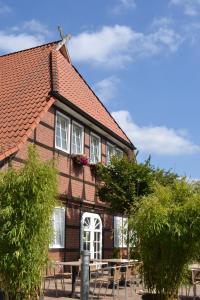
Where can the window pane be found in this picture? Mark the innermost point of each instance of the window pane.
(87, 223)
(59, 227)
(118, 231)
(94, 149)
(64, 139)
(109, 152)
(118, 153)
(62, 132)
(97, 223)
(77, 139)
(58, 141)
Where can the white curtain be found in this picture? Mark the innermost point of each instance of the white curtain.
(59, 227)
(77, 138)
(120, 231)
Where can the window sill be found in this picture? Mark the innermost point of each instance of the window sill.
(61, 151)
(56, 247)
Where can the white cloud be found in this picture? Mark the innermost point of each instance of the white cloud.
(191, 32)
(114, 46)
(156, 139)
(123, 5)
(190, 7)
(106, 89)
(161, 22)
(4, 9)
(36, 27)
(128, 3)
(15, 42)
(26, 35)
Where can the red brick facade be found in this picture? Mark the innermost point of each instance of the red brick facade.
(42, 82)
(76, 186)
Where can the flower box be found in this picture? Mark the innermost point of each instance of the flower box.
(80, 159)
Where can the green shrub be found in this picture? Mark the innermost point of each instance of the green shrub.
(27, 199)
(168, 230)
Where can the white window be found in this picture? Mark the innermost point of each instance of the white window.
(77, 138)
(110, 151)
(120, 231)
(95, 148)
(58, 219)
(91, 234)
(119, 153)
(62, 132)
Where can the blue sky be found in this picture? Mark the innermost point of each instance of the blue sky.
(141, 57)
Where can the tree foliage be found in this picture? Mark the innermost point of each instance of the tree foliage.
(27, 199)
(124, 182)
(168, 229)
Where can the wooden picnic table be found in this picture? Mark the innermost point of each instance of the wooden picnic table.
(117, 260)
(75, 266)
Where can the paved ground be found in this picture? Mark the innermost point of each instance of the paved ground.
(50, 293)
(64, 295)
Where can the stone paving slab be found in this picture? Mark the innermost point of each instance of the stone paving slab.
(64, 295)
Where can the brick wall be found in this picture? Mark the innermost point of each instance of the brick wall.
(76, 186)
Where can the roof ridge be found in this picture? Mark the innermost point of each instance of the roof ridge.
(24, 50)
(102, 103)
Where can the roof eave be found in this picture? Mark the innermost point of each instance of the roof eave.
(28, 133)
(87, 116)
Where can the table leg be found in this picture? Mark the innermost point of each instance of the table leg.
(74, 276)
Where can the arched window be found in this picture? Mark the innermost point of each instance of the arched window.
(91, 235)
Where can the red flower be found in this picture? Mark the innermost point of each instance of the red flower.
(80, 159)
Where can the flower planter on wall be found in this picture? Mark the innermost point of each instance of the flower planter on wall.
(80, 159)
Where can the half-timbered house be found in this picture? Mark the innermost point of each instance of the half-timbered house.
(44, 100)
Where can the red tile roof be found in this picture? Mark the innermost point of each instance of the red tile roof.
(70, 84)
(25, 94)
(25, 84)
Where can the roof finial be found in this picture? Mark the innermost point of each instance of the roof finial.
(63, 42)
(61, 32)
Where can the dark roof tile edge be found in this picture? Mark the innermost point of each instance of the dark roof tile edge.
(103, 105)
(24, 50)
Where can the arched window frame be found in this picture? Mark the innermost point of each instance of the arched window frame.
(92, 231)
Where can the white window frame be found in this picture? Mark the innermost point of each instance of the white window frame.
(53, 245)
(92, 230)
(120, 237)
(114, 151)
(112, 145)
(92, 134)
(69, 132)
(117, 149)
(82, 140)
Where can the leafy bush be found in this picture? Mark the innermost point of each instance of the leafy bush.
(123, 182)
(27, 199)
(168, 229)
